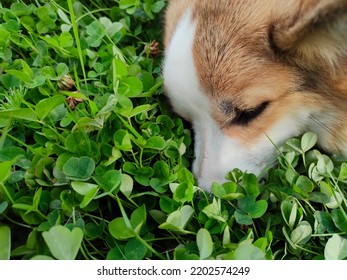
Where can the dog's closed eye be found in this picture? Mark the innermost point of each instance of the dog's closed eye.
(242, 117)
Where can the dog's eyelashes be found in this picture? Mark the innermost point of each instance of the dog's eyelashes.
(244, 117)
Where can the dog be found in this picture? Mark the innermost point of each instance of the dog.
(249, 74)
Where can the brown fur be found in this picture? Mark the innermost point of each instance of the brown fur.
(289, 54)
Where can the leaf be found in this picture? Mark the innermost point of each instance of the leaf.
(343, 172)
(185, 176)
(11, 153)
(63, 17)
(110, 181)
(127, 3)
(250, 184)
(302, 233)
(78, 143)
(140, 109)
(261, 243)
(4, 38)
(324, 222)
(242, 218)
(5, 170)
(227, 191)
(95, 33)
(218, 190)
(335, 200)
(181, 253)
(83, 188)
(255, 209)
(246, 251)
(158, 6)
(178, 219)
(213, 210)
(308, 140)
(305, 184)
(127, 184)
(318, 197)
(36, 201)
(63, 243)
(184, 193)
(168, 205)
(161, 170)
(22, 114)
(120, 67)
(62, 68)
(259, 209)
(155, 142)
(135, 250)
(5, 243)
(25, 75)
(290, 213)
(119, 229)
(336, 248)
(138, 218)
(204, 243)
(79, 168)
(89, 197)
(110, 27)
(122, 140)
(291, 176)
(116, 253)
(293, 144)
(325, 165)
(3, 206)
(339, 219)
(45, 106)
(48, 72)
(8, 80)
(94, 230)
(12, 25)
(226, 237)
(131, 87)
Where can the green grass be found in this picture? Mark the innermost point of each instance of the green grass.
(94, 165)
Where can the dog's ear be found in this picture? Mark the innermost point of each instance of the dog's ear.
(315, 34)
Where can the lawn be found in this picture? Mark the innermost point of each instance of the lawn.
(95, 165)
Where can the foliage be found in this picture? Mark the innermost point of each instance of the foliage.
(94, 165)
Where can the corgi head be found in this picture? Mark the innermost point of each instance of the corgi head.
(250, 74)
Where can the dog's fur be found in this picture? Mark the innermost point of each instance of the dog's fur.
(246, 71)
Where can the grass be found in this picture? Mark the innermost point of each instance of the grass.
(94, 165)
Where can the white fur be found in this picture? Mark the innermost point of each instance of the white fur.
(181, 80)
(216, 153)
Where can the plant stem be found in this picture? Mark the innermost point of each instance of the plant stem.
(128, 126)
(77, 39)
(8, 195)
(137, 236)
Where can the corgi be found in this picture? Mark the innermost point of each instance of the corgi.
(249, 74)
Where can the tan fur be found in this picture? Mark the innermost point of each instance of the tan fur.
(174, 13)
(291, 54)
